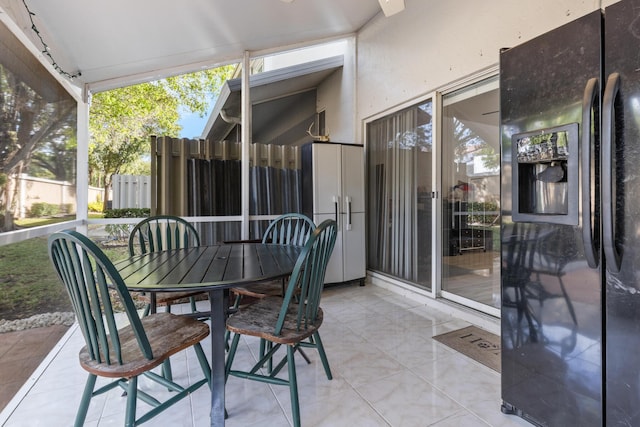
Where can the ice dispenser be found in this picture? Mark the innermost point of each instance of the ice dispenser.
(545, 175)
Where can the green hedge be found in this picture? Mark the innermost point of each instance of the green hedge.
(41, 209)
(127, 213)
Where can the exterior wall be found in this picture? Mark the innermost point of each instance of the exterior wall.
(434, 43)
(39, 190)
(336, 95)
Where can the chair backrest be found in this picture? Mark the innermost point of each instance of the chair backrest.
(307, 279)
(289, 229)
(88, 276)
(160, 233)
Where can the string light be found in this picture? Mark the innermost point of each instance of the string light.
(45, 48)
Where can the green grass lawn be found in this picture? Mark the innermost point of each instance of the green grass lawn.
(36, 222)
(28, 282)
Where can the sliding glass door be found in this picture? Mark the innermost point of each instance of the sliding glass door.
(470, 196)
(399, 153)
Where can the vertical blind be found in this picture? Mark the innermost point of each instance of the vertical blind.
(400, 156)
(392, 194)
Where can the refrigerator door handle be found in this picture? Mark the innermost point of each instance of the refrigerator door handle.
(612, 256)
(336, 203)
(591, 91)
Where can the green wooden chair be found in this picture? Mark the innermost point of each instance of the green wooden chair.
(159, 233)
(287, 229)
(292, 321)
(125, 353)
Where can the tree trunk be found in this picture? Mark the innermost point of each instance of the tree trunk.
(105, 201)
(7, 221)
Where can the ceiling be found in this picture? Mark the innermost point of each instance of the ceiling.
(119, 42)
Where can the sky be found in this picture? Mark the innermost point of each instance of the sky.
(192, 125)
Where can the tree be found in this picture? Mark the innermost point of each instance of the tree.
(56, 158)
(122, 120)
(28, 119)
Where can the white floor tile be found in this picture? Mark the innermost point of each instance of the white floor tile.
(387, 371)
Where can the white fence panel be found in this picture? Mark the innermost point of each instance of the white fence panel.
(40, 190)
(131, 191)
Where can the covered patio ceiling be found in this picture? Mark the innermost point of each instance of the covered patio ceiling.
(121, 42)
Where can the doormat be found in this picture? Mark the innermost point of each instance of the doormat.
(476, 343)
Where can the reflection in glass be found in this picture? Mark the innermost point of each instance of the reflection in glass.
(471, 194)
(399, 156)
(37, 138)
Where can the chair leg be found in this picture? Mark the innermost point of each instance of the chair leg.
(231, 355)
(166, 370)
(132, 396)
(293, 386)
(323, 355)
(232, 309)
(192, 301)
(204, 364)
(263, 348)
(86, 399)
(266, 346)
(304, 356)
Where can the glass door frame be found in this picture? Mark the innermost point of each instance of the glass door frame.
(428, 97)
(438, 231)
(436, 97)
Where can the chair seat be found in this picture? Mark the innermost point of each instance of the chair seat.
(167, 333)
(167, 298)
(259, 290)
(260, 318)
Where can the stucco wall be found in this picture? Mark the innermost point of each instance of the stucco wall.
(336, 96)
(434, 43)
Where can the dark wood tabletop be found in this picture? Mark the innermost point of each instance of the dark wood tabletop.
(213, 269)
(205, 267)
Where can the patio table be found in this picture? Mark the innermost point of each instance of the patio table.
(214, 269)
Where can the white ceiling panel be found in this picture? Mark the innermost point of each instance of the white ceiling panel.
(118, 42)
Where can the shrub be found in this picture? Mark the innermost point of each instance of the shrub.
(95, 206)
(127, 213)
(117, 231)
(121, 231)
(41, 209)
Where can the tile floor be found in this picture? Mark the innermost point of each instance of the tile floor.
(387, 372)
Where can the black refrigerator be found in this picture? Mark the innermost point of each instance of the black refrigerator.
(570, 236)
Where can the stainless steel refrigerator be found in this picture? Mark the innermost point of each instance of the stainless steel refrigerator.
(570, 130)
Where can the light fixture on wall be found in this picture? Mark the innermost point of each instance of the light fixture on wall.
(391, 7)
